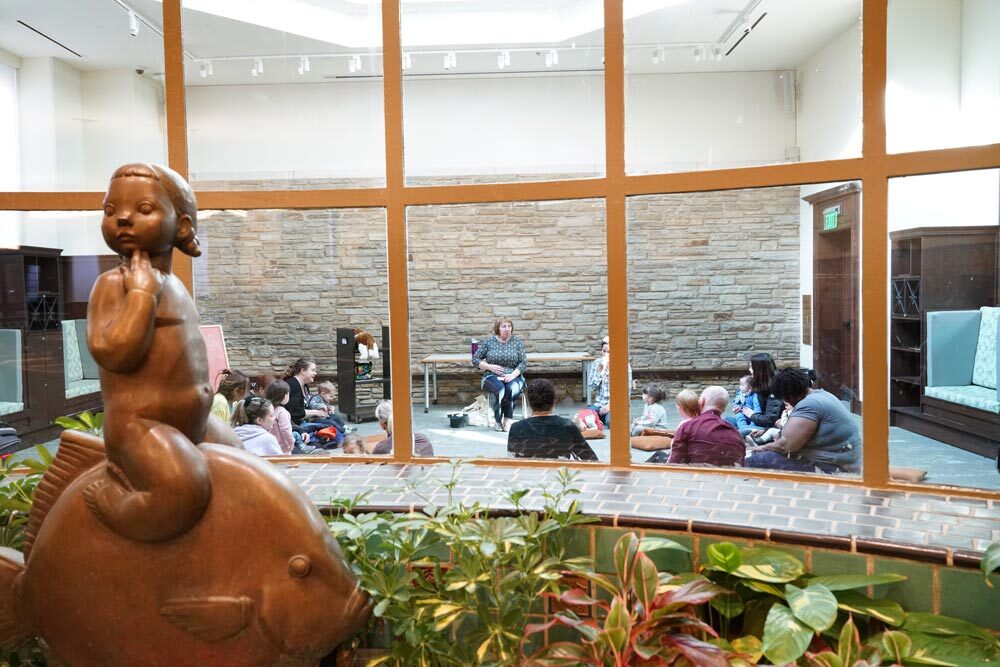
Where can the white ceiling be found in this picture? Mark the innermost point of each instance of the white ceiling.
(232, 32)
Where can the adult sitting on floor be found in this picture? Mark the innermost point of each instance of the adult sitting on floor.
(545, 435)
(708, 438)
(599, 381)
(421, 443)
(820, 434)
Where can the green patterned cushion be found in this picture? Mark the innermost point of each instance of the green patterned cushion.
(71, 353)
(982, 398)
(9, 407)
(984, 372)
(81, 387)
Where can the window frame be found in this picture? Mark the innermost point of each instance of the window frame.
(872, 169)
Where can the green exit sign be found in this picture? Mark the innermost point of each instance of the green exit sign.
(831, 217)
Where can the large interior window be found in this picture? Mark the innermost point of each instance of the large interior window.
(685, 178)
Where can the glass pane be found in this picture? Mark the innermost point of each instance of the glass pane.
(711, 85)
(729, 290)
(943, 64)
(486, 91)
(284, 95)
(291, 284)
(49, 261)
(75, 103)
(943, 403)
(476, 272)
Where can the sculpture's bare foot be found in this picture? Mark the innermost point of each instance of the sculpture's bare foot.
(106, 496)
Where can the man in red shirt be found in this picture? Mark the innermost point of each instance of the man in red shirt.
(708, 438)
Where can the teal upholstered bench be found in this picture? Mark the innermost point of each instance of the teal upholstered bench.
(963, 357)
(81, 370)
(11, 387)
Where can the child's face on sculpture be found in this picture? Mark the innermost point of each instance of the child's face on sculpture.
(139, 216)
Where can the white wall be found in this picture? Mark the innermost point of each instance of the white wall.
(123, 121)
(828, 125)
(980, 88)
(677, 122)
(9, 176)
(509, 125)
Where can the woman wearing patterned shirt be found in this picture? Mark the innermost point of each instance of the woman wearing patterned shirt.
(502, 360)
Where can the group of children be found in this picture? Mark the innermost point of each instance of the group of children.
(255, 407)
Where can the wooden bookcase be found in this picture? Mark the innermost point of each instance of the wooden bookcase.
(357, 398)
(31, 287)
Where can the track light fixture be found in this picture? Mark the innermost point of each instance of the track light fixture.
(503, 59)
(407, 61)
(133, 24)
(354, 64)
(659, 55)
(450, 60)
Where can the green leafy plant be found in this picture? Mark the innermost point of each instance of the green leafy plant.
(85, 421)
(448, 572)
(772, 597)
(18, 481)
(990, 562)
(651, 617)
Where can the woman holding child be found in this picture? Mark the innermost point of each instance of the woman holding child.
(820, 434)
(502, 360)
(762, 408)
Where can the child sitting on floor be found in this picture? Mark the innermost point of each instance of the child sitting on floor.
(741, 395)
(353, 444)
(290, 441)
(687, 405)
(758, 437)
(653, 415)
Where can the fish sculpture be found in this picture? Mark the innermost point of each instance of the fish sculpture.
(259, 580)
(163, 543)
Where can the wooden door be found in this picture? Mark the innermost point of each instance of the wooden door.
(835, 292)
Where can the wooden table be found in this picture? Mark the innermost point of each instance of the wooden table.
(432, 361)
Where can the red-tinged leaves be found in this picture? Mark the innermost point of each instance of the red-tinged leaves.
(574, 597)
(623, 556)
(618, 624)
(698, 652)
(849, 647)
(696, 592)
(645, 580)
(600, 581)
(562, 654)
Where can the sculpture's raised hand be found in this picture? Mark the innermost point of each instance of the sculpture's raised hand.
(140, 275)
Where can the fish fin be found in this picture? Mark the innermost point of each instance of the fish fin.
(210, 618)
(78, 452)
(12, 633)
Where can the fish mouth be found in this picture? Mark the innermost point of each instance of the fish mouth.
(357, 606)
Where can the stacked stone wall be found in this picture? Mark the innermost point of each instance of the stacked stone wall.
(712, 278)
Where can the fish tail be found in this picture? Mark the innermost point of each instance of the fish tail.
(12, 633)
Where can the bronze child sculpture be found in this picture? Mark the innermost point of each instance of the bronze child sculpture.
(154, 547)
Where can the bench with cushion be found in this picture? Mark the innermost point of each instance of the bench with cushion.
(81, 370)
(962, 358)
(11, 388)
(963, 355)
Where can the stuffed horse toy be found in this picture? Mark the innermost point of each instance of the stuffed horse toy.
(364, 342)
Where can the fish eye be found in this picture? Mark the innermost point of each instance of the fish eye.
(299, 566)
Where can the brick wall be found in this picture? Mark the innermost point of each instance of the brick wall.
(713, 276)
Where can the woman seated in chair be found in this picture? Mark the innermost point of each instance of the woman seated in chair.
(502, 360)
